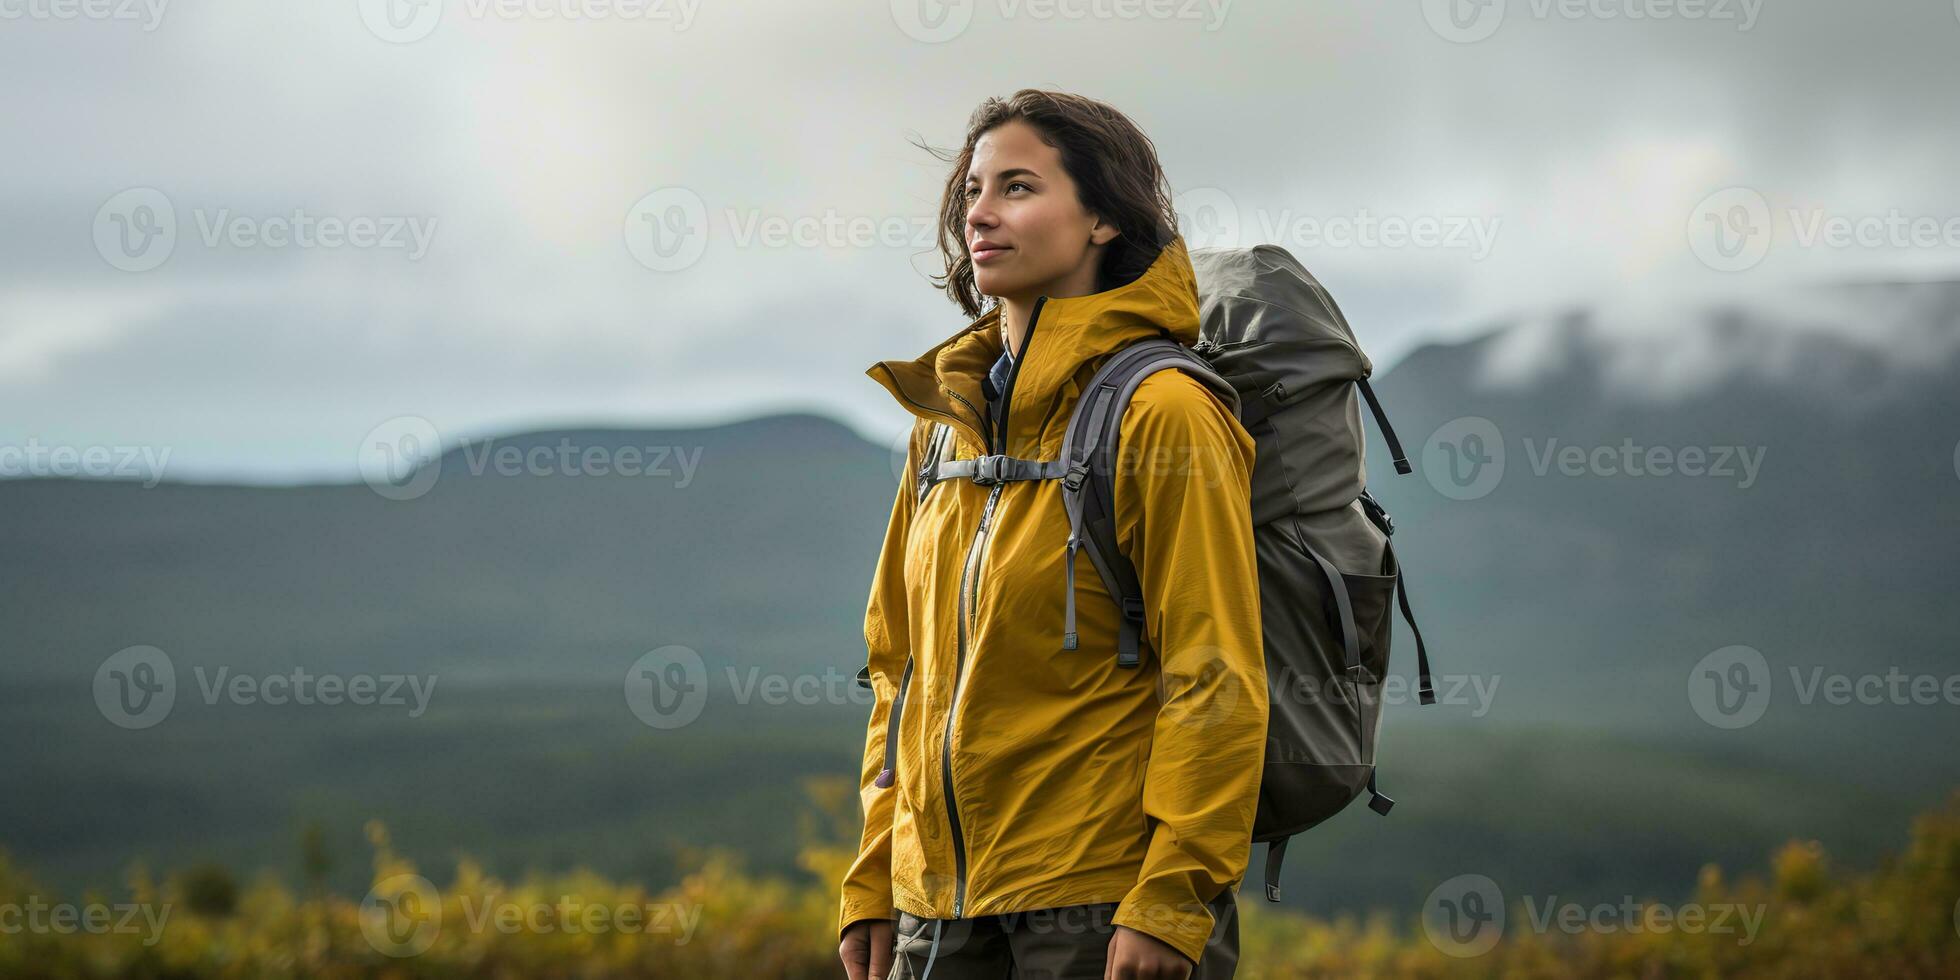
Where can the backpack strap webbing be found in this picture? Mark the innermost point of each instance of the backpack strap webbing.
(1275, 853)
(989, 470)
(1388, 431)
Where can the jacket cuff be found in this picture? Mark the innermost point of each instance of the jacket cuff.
(861, 903)
(1170, 914)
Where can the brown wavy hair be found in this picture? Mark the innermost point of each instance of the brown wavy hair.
(1116, 173)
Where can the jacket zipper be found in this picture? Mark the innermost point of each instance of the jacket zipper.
(969, 602)
(1014, 371)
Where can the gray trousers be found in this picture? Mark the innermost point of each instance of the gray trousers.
(1070, 943)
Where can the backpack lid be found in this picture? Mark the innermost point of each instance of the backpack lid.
(1261, 295)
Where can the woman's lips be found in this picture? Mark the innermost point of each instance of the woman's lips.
(984, 254)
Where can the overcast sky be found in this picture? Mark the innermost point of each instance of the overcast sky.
(250, 232)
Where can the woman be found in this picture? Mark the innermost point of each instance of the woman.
(1050, 813)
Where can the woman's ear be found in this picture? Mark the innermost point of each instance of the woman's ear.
(1102, 233)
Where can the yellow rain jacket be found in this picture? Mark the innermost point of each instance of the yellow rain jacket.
(1029, 776)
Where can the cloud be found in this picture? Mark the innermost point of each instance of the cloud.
(1585, 144)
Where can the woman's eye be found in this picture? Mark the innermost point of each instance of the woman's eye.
(971, 191)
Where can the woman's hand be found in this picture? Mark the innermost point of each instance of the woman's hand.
(1137, 955)
(867, 949)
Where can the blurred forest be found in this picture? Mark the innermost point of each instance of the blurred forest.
(1816, 919)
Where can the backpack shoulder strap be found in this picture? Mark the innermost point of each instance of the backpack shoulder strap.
(1089, 454)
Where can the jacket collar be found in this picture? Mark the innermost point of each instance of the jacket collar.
(943, 384)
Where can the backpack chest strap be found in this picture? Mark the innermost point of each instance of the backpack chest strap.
(989, 470)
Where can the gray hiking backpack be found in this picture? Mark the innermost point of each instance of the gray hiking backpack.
(1277, 350)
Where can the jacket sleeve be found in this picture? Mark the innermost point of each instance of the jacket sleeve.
(1182, 493)
(867, 887)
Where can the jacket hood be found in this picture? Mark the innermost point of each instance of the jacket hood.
(943, 383)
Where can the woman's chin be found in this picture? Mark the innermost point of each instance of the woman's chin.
(990, 283)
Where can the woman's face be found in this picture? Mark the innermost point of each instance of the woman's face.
(1026, 229)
